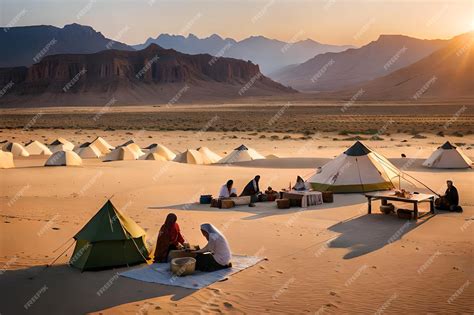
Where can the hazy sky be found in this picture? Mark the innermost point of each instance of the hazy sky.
(329, 21)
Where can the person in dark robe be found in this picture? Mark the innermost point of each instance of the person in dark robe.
(252, 189)
(169, 238)
(452, 197)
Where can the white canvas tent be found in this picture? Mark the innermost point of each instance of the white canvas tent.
(64, 158)
(61, 144)
(103, 146)
(35, 147)
(133, 147)
(15, 149)
(160, 149)
(6, 160)
(241, 154)
(209, 156)
(88, 151)
(154, 156)
(448, 156)
(121, 154)
(358, 169)
(189, 156)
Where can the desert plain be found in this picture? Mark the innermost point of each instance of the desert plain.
(331, 258)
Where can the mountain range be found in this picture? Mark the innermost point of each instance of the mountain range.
(26, 45)
(444, 74)
(152, 75)
(336, 71)
(269, 54)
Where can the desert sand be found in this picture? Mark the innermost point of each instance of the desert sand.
(332, 258)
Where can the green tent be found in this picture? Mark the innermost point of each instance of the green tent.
(109, 239)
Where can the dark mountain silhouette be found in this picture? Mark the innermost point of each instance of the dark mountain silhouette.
(26, 45)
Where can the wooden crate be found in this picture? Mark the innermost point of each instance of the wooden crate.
(328, 197)
(283, 203)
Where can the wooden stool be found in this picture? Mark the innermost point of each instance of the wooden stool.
(283, 203)
(227, 203)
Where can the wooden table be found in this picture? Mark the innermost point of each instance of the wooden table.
(308, 198)
(390, 195)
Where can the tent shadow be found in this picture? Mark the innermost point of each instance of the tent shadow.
(416, 165)
(370, 232)
(65, 290)
(268, 209)
(285, 162)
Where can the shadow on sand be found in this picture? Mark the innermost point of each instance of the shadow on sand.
(268, 209)
(66, 290)
(371, 232)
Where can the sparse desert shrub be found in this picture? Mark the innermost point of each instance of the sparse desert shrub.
(376, 138)
(440, 134)
(458, 134)
(418, 136)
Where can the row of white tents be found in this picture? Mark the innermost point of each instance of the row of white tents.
(64, 152)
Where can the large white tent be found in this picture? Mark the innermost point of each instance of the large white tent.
(64, 158)
(103, 146)
(133, 147)
(190, 156)
(448, 156)
(154, 156)
(122, 153)
(209, 156)
(15, 149)
(241, 154)
(358, 169)
(162, 150)
(61, 144)
(35, 147)
(88, 151)
(6, 160)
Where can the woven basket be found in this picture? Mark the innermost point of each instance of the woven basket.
(387, 209)
(183, 266)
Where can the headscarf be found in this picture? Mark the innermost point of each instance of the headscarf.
(170, 220)
(213, 232)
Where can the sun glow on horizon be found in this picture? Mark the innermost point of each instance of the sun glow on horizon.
(339, 22)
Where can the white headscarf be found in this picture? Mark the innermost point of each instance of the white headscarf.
(213, 232)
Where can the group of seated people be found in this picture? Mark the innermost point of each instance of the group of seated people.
(252, 189)
(214, 256)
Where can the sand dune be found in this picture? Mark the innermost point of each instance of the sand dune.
(371, 262)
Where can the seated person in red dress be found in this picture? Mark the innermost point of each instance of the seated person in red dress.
(169, 238)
